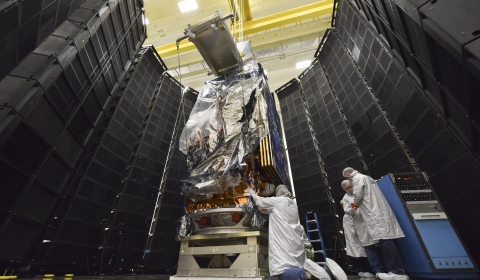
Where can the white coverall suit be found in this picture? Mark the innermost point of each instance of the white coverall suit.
(285, 242)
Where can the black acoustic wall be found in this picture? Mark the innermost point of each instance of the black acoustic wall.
(312, 191)
(401, 75)
(97, 190)
(332, 130)
(382, 148)
(171, 112)
(133, 204)
(52, 109)
(24, 25)
(439, 56)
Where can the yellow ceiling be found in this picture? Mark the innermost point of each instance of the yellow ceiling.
(269, 25)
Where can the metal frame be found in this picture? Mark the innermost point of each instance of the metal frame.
(249, 247)
(198, 229)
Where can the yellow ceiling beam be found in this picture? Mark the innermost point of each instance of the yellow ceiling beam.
(243, 8)
(317, 9)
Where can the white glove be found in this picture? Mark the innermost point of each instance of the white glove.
(250, 191)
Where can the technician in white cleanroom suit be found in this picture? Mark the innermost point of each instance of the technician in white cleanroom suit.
(285, 241)
(381, 226)
(352, 223)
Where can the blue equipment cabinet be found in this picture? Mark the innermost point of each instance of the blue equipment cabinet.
(431, 247)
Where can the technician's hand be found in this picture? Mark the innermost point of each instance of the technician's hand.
(250, 191)
(353, 205)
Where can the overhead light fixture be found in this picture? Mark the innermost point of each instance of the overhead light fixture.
(187, 5)
(303, 64)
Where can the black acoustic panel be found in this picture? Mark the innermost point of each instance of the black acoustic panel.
(16, 239)
(75, 31)
(117, 21)
(145, 191)
(446, 43)
(409, 14)
(51, 78)
(47, 21)
(156, 145)
(330, 127)
(88, 210)
(367, 124)
(89, 61)
(78, 77)
(68, 147)
(301, 146)
(141, 28)
(35, 204)
(109, 33)
(102, 94)
(92, 107)
(440, 153)
(472, 64)
(131, 9)
(379, 7)
(124, 14)
(81, 126)
(112, 161)
(19, 144)
(101, 178)
(30, 102)
(131, 44)
(110, 76)
(90, 18)
(458, 117)
(97, 192)
(395, 21)
(100, 45)
(116, 146)
(8, 50)
(452, 37)
(61, 48)
(13, 185)
(123, 51)
(438, 147)
(75, 5)
(63, 96)
(62, 89)
(105, 176)
(28, 33)
(54, 173)
(9, 18)
(94, 5)
(117, 65)
(462, 171)
(63, 12)
(29, 8)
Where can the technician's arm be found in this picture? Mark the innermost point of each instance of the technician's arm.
(263, 202)
(347, 207)
(358, 190)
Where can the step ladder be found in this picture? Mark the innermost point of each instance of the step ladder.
(315, 235)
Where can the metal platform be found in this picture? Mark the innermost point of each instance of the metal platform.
(231, 255)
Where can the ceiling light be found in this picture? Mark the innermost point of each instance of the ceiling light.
(187, 5)
(303, 64)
